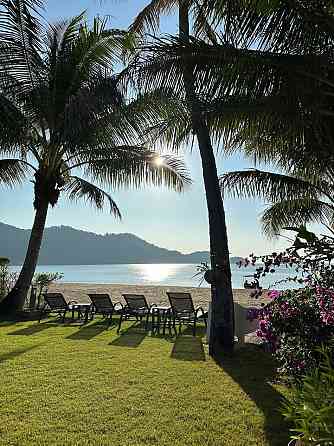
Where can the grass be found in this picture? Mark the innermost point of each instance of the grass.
(73, 385)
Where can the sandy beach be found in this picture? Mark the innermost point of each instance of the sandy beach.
(154, 294)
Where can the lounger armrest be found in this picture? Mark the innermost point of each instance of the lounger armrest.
(118, 303)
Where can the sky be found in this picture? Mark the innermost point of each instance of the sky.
(160, 216)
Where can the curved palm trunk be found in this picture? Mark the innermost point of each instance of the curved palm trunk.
(222, 320)
(16, 298)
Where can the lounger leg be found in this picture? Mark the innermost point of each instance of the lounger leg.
(147, 318)
(194, 327)
(174, 326)
(63, 319)
(164, 315)
(120, 322)
(110, 319)
(41, 316)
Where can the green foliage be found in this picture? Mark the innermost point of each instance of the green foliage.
(7, 279)
(41, 282)
(44, 280)
(295, 324)
(310, 405)
(65, 116)
(262, 85)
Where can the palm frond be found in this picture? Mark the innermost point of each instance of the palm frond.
(267, 185)
(20, 39)
(12, 172)
(13, 126)
(133, 166)
(295, 212)
(149, 18)
(77, 188)
(275, 24)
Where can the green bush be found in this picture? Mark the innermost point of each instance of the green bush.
(310, 405)
(7, 278)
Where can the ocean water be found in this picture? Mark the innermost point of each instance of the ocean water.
(154, 274)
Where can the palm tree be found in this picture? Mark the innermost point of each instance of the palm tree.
(65, 119)
(266, 89)
(280, 111)
(264, 85)
(222, 323)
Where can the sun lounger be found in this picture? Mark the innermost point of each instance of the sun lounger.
(183, 311)
(102, 304)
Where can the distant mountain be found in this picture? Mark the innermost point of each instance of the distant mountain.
(63, 245)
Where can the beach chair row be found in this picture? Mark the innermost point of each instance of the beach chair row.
(181, 310)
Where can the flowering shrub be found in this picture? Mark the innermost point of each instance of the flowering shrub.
(309, 261)
(294, 324)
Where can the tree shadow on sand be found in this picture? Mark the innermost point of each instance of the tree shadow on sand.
(253, 369)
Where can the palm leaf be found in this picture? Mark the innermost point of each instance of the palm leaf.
(12, 172)
(134, 167)
(149, 17)
(20, 39)
(269, 186)
(296, 212)
(77, 188)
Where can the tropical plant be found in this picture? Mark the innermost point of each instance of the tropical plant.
(180, 122)
(7, 278)
(310, 404)
(40, 284)
(270, 75)
(259, 77)
(281, 112)
(64, 112)
(295, 323)
(309, 260)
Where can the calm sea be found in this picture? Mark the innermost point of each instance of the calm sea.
(150, 274)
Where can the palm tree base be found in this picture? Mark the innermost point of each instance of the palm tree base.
(12, 303)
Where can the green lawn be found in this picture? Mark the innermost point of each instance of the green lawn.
(72, 385)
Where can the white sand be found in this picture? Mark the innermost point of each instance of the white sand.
(154, 294)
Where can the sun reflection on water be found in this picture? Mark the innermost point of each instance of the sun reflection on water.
(157, 272)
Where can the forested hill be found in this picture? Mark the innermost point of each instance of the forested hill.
(63, 245)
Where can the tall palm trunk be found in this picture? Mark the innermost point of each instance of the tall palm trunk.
(222, 320)
(16, 298)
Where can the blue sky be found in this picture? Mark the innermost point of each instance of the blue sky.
(159, 216)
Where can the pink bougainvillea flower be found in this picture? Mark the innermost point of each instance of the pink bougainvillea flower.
(274, 294)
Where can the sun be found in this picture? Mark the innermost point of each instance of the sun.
(158, 161)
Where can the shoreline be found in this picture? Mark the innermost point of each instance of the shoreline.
(153, 293)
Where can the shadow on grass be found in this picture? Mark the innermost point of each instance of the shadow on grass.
(31, 330)
(20, 351)
(90, 331)
(132, 337)
(253, 369)
(8, 323)
(188, 348)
